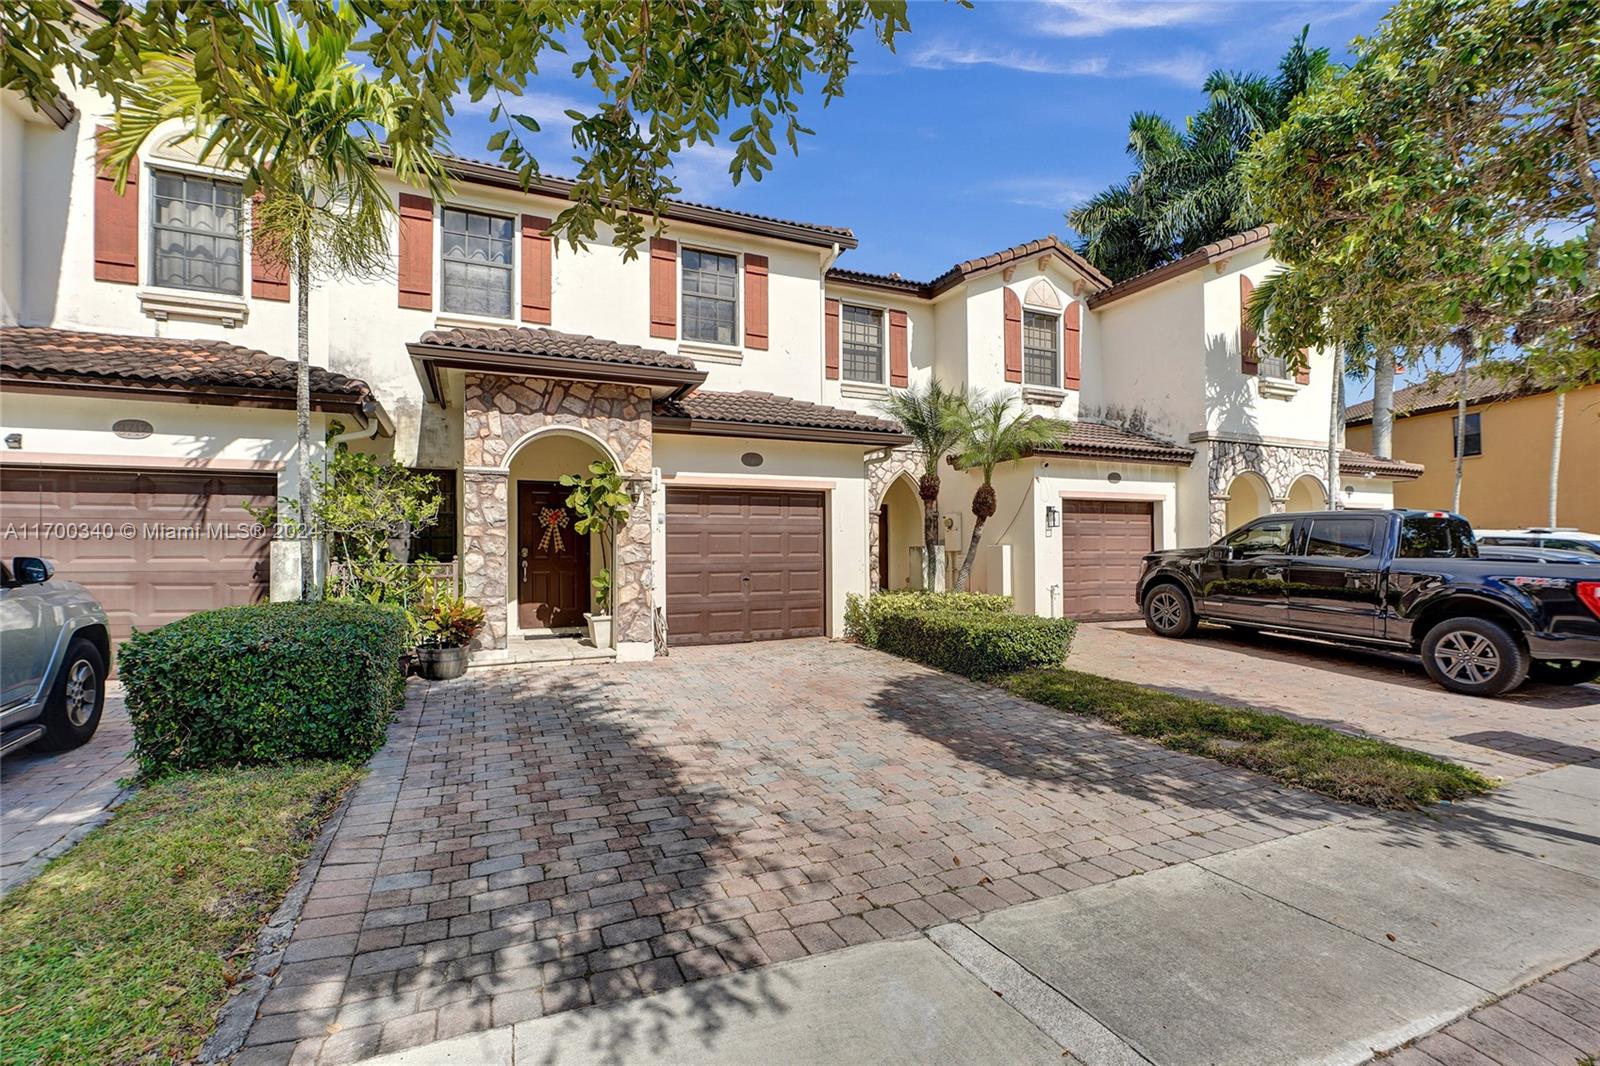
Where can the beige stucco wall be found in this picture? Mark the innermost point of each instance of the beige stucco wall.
(1508, 485)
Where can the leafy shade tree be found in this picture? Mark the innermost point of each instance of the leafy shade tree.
(307, 140)
(995, 430)
(1186, 189)
(932, 417)
(1443, 192)
(665, 77)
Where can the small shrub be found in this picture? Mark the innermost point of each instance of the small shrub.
(966, 633)
(450, 622)
(862, 613)
(263, 685)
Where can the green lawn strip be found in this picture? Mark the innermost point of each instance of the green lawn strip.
(1356, 769)
(124, 948)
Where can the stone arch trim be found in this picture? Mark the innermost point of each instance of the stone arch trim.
(1279, 465)
(883, 469)
(533, 436)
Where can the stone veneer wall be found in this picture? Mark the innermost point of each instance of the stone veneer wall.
(882, 469)
(499, 412)
(1279, 465)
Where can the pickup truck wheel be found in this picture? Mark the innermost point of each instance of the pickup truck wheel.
(1167, 612)
(79, 695)
(1563, 671)
(1474, 656)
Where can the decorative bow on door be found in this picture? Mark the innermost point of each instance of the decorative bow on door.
(554, 520)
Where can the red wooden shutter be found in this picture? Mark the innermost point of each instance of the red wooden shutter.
(1072, 346)
(416, 251)
(1247, 336)
(116, 223)
(1013, 337)
(663, 287)
(755, 301)
(536, 268)
(831, 340)
(269, 276)
(1303, 375)
(899, 351)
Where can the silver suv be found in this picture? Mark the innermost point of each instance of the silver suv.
(54, 654)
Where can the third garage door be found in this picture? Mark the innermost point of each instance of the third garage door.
(744, 565)
(1102, 542)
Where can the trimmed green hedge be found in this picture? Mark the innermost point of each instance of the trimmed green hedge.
(263, 685)
(966, 633)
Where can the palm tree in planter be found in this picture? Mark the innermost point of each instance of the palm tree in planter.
(602, 506)
(932, 417)
(995, 430)
(306, 130)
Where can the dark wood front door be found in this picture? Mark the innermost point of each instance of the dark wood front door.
(883, 547)
(552, 559)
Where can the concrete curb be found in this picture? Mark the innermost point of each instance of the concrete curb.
(239, 1013)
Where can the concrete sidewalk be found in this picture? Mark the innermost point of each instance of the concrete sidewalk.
(1323, 948)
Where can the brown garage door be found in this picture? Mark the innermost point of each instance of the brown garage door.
(1102, 542)
(150, 546)
(743, 565)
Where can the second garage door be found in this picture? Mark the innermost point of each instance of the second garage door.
(151, 547)
(744, 565)
(1102, 542)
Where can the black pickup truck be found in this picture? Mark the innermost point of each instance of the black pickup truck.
(1399, 579)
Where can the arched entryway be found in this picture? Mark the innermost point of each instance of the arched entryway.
(1248, 497)
(548, 584)
(899, 539)
(1307, 494)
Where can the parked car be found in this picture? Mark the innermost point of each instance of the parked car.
(1571, 540)
(1399, 579)
(55, 651)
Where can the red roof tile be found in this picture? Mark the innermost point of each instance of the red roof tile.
(1438, 394)
(1363, 463)
(1199, 257)
(1094, 440)
(767, 409)
(1050, 245)
(548, 342)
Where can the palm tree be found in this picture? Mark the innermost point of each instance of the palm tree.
(308, 147)
(993, 431)
(931, 417)
(1186, 189)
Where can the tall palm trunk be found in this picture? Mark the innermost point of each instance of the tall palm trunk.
(1555, 456)
(302, 422)
(1383, 404)
(928, 488)
(1462, 378)
(1335, 429)
(982, 508)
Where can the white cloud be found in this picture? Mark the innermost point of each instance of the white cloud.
(701, 171)
(547, 109)
(1097, 18)
(941, 55)
(1043, 191)
(1185, 68)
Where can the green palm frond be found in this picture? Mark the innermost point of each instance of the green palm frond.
(998, 429)
(932, 416)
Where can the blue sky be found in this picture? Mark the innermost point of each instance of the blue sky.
(986, 124)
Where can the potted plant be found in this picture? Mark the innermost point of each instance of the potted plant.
(601, 507)
(448, 625)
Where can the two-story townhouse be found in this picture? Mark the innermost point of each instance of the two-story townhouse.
(730, 370)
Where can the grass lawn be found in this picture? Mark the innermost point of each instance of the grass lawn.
(124, 948)
(1371, 772)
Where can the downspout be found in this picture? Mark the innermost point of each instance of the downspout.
(369, 412)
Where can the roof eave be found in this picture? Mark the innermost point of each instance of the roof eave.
(713, 427)
(428, 359)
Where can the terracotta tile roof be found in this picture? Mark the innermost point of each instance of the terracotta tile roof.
(1363, 463)
(1095, 440)
(476, 170)
(1439, 393)
(35, 353)
(1050, 245)
(1199, 257)
(768, 409)
(523, 340)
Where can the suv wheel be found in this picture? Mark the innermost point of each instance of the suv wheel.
(1167, 612)
(1474, 656)
(1563, 671)
(76, 700)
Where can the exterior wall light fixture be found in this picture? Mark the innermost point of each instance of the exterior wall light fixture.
(1052, 517)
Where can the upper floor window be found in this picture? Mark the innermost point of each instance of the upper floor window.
(710, 297)
(861, 343)
(1041, 349)
(1270, 366)
(195, 234)
(477, 264)
(1473, 440)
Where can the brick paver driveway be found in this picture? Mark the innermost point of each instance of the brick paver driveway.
(1356, 690)
(49, 800)
(535, 840)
